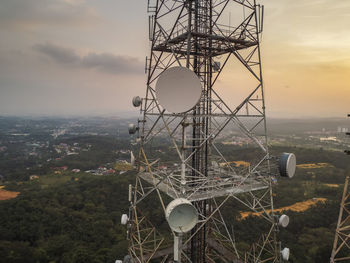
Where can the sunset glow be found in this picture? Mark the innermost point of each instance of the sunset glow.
(85, 57)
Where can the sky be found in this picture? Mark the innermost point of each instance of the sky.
(86, 57)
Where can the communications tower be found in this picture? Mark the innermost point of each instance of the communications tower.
(185, 167)
(341, 244)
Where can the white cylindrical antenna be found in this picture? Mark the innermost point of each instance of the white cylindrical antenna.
(177, 248)
(130, 193)
(183, 164)
(207, 208)
(262, 20)
(283, 221)
(132, 159)
(124, 219)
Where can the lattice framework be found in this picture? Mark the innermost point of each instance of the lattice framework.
(190, 33)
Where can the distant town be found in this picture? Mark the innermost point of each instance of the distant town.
(36, 146)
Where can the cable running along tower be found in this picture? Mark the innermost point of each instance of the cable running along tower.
(196, 183)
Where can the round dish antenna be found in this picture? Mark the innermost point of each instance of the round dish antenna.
(283, 221)
(132, 128)
(136, 101)
(181, 215)
(178, 89)
(287, 165)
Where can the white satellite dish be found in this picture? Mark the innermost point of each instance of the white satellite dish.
(283, 221)
(287, 165)
(181, 215)
(178, 89)
(285, 253)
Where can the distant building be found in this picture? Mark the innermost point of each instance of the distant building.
(72, 153)
(342, 129)
(329, 139)
(62, 168)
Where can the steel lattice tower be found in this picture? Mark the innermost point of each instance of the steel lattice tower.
(192, 34)
(341, 243)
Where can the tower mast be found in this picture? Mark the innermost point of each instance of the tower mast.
(198, 169)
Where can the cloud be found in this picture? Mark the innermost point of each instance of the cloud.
(57, 53)
(104, 62)
(21, 14)
(111, 63)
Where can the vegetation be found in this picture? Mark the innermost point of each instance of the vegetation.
(75, 217)
(74, 221)
(18, 167)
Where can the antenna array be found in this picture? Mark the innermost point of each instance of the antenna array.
(196, 183)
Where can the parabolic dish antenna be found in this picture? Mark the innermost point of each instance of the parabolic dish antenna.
(283, 221)
(287, 165)
(285, 253)
(178, 89)
(181, 215)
